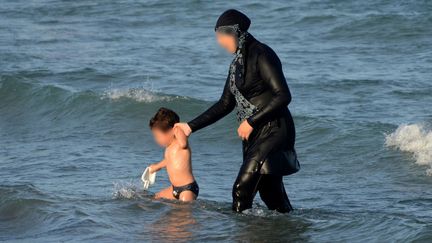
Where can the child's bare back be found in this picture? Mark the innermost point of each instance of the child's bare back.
(179, 166)
(177, 157)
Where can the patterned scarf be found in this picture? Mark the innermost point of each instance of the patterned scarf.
(245, 109)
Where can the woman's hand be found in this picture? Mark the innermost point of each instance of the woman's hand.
(244, 130)
(184, 127)
(180, 137)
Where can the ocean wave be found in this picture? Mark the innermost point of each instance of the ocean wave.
(348, 84)
(316, 19)
(45, 103)
(415, 139)
(381, 26)
(20, 201)
(22, 88)
(138, 94)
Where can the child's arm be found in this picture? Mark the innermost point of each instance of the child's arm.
(157, 166)
(181, 137)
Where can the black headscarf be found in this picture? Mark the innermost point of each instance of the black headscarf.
(233, 17)
(235, 23)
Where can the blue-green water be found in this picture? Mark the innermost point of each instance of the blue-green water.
(79, 81)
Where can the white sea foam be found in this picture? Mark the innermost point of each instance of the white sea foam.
(415, 139)
(137, 94)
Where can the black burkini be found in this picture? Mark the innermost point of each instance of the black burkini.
(265, 87)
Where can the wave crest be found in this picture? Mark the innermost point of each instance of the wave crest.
(137, 94)
(415, 139)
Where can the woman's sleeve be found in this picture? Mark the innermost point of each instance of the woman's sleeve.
(270, 69)
(220, 109)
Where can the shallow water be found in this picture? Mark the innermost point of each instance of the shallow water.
(79, 81)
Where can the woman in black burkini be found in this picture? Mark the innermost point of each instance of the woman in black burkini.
(256, 87)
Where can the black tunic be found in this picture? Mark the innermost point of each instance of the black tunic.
(265, 87)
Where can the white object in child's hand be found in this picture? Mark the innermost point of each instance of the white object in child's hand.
(148, 178)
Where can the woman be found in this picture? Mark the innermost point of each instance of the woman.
(257, 88)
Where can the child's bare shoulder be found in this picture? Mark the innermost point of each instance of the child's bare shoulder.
(173, 148)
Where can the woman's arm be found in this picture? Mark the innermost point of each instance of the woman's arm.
(270, 69)
(220, 109)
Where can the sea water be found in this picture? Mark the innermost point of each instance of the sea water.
(79, 81)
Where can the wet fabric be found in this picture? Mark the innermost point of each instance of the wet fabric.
(264, 144)
(270, 188)
(264, 86)
(193, 187)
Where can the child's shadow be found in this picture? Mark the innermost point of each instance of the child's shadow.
(175, 223)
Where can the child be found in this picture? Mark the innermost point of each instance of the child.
(177, 158)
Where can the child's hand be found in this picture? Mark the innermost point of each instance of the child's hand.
(157, 166)
(153, 168)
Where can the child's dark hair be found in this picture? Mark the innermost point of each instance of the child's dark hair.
(164, 119)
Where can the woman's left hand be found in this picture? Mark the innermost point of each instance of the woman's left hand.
(244, 130)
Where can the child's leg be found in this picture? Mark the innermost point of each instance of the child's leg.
(187, 196)
(165, 193)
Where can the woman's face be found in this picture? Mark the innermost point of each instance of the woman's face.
(228, 42)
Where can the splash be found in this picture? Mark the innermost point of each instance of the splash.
(137, 94)
(261, 211)
(415, 139)
(125, 190)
